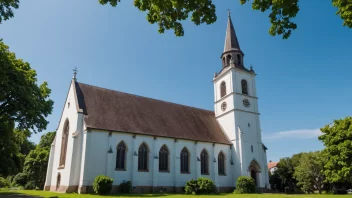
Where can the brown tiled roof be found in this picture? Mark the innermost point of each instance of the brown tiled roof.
(272, 165)
(116, 111)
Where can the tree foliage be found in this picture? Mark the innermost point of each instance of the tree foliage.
(36, 163)
(309, 172)
(21, 100)
(337, 138)
(169, 14)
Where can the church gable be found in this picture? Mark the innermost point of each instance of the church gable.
(116, 111)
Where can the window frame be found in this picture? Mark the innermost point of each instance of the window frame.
(244, 87)
(146, 158)
(204, 162)
(124, 157)
(64, 143)
(222, 89)
(221, 163)
(188, 161)
(162, 155)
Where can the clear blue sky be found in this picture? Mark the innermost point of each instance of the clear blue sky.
(303, 83)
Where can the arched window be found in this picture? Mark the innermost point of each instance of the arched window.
(244, 87)
(64, 141)
(184, 160)
(143, 153)
(222, 89)
(229, 57)
(164, 158)
(252, 148)
(204, 162)
(223, 62)
(239, 59)
(221, 163)
(121, 156)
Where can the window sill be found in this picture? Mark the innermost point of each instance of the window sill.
(185, 173)
(222, 174)
(61, 167)
(120, 169)
(164, 171)
(205, 174)
(143, 170)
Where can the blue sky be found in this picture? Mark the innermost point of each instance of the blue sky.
(303, 83)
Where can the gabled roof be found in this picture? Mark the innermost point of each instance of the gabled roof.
(272, 165)
(117, 111)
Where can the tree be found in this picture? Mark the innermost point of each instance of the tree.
(285, 171)
(36, 163)
(21, 99)
(169, 14)
(23, 104)
(337, 138)
(309, 172)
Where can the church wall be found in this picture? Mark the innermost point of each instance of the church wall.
(69, 113)
(99, 161)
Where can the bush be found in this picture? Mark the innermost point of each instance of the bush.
(20, 179)
(200, 186)
(125, 187)
(4, 183)
(30, 185)
(245, 185)
(102, 185)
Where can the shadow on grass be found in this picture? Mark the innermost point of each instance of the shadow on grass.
(135, 195)
(16, 195)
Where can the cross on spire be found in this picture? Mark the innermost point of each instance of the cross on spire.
(75, 73)
(229, 12)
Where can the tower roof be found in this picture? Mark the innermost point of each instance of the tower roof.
(231, 42)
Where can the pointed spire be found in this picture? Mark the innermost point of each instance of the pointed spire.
(231, 42)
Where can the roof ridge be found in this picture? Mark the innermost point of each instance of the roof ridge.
(147, 97)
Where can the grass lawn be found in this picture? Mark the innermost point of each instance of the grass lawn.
(16, 193)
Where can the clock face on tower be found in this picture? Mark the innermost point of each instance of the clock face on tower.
(246, 103)
(223, 106)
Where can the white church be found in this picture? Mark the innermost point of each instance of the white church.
(158, 145)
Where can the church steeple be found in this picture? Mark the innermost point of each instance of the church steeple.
(231, 42)
(232, 51)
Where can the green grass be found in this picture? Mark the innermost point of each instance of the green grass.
(60, 195)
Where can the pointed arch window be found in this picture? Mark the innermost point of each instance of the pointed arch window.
(223, 62)
(164, 158)
(221, 163)
(204, 162)
(121, 156)
(64, 141)
(239, 59)
(222, 89)
(143, 154)
(184, 160)
(244, 87)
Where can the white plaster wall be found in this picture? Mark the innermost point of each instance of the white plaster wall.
(97, 160)
(69, 113)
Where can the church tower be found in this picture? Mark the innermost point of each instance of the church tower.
(236, 110)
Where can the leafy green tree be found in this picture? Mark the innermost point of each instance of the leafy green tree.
(21, 99)
(337, 138)
(275, 181)
(309, 172)
(36, 163)
(23, 104)
(285, 171)
(169, 14)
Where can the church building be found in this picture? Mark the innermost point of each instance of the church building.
(158, 145)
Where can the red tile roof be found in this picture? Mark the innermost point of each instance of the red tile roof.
(272, 165)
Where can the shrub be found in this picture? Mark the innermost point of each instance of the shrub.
(191, 187)
(20, 179)
(245, 185)
(4, 183)
(200, 186)
(30, 185)
(102, 185)
(125, 187)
